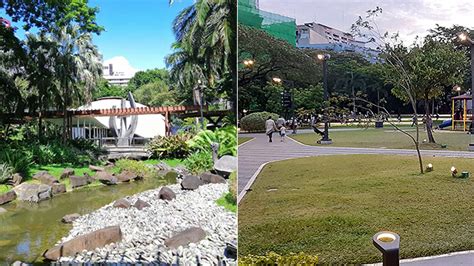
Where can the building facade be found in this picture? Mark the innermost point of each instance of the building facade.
(118, 71)
(318, 36)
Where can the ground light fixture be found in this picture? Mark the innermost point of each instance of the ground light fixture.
(324, 58)
(249, 63)
(429, 168)
(389, 244)
(454, 171)
(276, 80)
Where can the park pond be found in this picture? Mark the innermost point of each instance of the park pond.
(28, 229)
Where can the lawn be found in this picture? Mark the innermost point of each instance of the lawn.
(242, 140)
(331, 206)
(389, 138)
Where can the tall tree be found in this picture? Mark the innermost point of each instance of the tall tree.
(205, 46)
(77, 68)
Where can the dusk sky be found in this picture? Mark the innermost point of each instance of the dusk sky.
(409, 17)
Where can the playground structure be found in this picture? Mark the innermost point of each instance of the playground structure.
(461, 112)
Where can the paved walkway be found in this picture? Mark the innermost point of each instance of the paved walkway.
(254, 154)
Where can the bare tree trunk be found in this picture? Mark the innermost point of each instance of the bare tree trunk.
(429, 122)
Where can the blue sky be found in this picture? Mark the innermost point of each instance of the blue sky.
(139, 30)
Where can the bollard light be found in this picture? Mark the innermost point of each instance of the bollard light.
(389, 244)
(454, 171)
(429, 168)
(465, 174)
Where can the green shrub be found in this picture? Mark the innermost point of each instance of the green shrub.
(18, 160)
(255, 122)
(174, 146)
(227, 202)
(273, 258)
(137, 167)
(6, 172)
(226, 137)
(199, 162)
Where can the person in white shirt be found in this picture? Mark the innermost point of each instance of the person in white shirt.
(270, 127)
(282, 133)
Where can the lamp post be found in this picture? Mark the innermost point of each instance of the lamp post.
(323, 58)
(466, 40)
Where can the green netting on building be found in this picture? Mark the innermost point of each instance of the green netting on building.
(278, 26)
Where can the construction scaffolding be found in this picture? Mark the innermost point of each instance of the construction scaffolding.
(276, 25)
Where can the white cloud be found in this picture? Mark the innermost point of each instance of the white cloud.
(408, 17)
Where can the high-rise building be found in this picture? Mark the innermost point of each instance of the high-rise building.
(118, 71)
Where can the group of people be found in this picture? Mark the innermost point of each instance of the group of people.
(279, 126)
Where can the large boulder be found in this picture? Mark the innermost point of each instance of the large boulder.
(210, 178)
(140, 204)
(166, 194)
(183, 238)
(67, 173)
(79, 181)
(126, 176)
(122, 203)
(33, 192)
(90, 241)
(191, 182)
(45, 178)
(226, 165)
(16, 179)
(181, 171)
(58, 188)
(7, 197)
(96, 168)
(106, 178)
(69, 218)
(162, 167)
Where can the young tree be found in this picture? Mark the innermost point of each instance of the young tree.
(430, 67)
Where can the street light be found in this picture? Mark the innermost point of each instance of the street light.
(324, 58)
(457, 88)
(466, 40)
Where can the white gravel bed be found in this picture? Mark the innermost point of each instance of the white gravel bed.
(144, 231)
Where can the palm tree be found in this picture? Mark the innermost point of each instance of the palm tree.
(77, 68)
(205, 45)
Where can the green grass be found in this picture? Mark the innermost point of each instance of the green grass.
(5, 188)
(331, 206)
(227, 202)
(242, 140)
(389, 138)
(170, 162)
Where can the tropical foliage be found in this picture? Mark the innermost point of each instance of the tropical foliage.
(205, 49)
(175, 146)
(199, 162)
(226, 137)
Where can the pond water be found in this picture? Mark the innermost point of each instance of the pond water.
(28, 229)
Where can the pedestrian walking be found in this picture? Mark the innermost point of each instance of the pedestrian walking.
(270, 127)
(282, 133)
(413, 120)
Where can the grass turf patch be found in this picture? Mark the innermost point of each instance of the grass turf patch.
(389, 138)
(242, 140)
(227, 202)
(331, 206)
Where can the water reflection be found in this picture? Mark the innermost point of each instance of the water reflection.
(28, 229)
